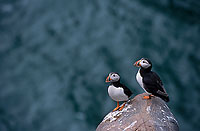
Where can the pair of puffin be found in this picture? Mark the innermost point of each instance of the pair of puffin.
(146, 78)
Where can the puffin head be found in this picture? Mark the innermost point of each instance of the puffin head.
(143, 63)
(113, 77)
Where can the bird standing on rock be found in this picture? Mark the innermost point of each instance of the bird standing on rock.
(149, 80)
(116, 90)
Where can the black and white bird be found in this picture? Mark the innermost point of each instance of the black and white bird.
(149, 80)
(116, 90)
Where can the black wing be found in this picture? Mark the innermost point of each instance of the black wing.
(154, 85)
(127, 91)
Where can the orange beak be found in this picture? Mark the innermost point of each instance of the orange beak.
(137, 63)
(108, 79)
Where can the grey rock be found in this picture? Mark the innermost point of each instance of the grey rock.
(140, 115)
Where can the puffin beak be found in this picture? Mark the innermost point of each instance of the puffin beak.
(108, 79)
(137, 63)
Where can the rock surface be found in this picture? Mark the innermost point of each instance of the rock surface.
(140, 115)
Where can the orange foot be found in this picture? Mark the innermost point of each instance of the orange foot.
(122, 107)
(147, 97)
(117, 106)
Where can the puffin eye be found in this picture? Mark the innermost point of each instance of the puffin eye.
(144, 62)
(114, 75)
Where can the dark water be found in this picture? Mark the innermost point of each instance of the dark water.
(55, 56)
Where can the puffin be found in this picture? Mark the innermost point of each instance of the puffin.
(149, 80)
(117, 91)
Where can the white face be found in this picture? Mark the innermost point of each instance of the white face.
(144, 63)
(114, 77)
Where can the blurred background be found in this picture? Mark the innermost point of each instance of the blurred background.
(56, 55)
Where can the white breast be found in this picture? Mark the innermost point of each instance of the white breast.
(117, 94)
(139, 80)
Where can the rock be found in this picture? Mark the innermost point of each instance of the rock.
(140, 115)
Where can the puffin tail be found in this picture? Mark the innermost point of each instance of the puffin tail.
(163, 95)
(165, 98)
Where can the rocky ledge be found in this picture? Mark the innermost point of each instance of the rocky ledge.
(140, 115)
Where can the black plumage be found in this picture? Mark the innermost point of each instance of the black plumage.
(126, 90)
(149, 80)
(117, 91)
(153, 84)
